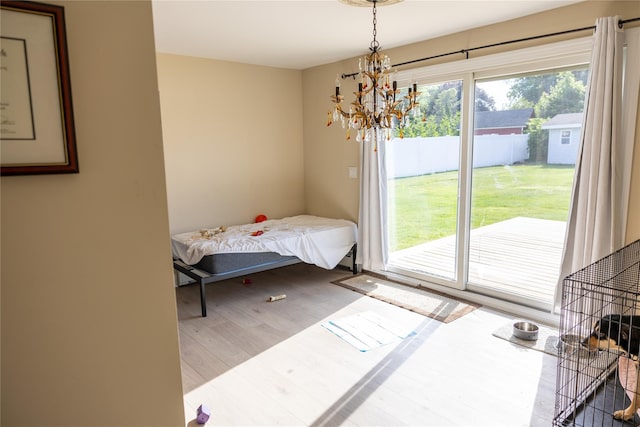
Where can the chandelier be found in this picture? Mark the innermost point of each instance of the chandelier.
(378, 109)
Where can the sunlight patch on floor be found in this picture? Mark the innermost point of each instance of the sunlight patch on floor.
(296, 374)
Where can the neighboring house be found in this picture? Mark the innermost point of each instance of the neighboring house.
(507, 122)
(564, 138)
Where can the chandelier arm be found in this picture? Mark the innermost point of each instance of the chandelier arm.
(365, 91)
(342, 112)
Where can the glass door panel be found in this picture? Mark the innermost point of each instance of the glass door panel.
(524, 154)
(422, 184)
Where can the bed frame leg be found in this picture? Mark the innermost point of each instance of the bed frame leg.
(203, 300)
(354, 251)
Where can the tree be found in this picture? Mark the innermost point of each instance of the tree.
(439, 113)
(525, 92)
(528, 90)
(484, 101)
(538, 143)
(566, 96)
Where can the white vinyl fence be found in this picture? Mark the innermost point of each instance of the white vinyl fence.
(421, 156)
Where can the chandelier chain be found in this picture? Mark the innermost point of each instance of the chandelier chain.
(374, 43)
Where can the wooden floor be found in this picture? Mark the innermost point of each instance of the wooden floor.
(265, 363)
(518, 256)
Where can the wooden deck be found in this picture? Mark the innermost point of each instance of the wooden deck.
(518, 257)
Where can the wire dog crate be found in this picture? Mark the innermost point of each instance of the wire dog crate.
(588, 383)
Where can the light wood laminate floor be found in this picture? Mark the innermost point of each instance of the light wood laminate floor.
(263, 363)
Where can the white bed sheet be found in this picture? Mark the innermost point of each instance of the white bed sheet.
(315, 240)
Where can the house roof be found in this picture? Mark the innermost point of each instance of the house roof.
(503, 119)
(568, 120)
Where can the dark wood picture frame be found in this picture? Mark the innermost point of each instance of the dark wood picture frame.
(37, 133)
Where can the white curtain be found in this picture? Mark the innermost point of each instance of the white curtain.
(373, 192)
(598, 211)
(630, 101)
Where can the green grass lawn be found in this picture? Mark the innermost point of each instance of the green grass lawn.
(424, 207)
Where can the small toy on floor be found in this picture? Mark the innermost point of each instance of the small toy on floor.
(203, 414)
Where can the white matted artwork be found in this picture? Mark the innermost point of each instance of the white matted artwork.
(36, 128)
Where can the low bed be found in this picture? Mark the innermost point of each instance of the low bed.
(212, 255)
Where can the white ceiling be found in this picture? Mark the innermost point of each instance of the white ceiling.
(299, 34)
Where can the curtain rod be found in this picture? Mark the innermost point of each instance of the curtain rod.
(466, 51)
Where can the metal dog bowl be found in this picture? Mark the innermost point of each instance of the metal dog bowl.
(525, 331)
(574, 344)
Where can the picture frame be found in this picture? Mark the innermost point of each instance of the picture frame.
(37, 133)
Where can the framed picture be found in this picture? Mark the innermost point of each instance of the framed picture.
(36, 114)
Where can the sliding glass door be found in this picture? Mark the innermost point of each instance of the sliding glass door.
(479, 187)
(423, 169)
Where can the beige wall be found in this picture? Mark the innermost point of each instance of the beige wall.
(89, 329)
(328, 189)
(232, 141)
(327, 154)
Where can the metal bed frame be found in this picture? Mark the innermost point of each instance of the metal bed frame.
(203, 278)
